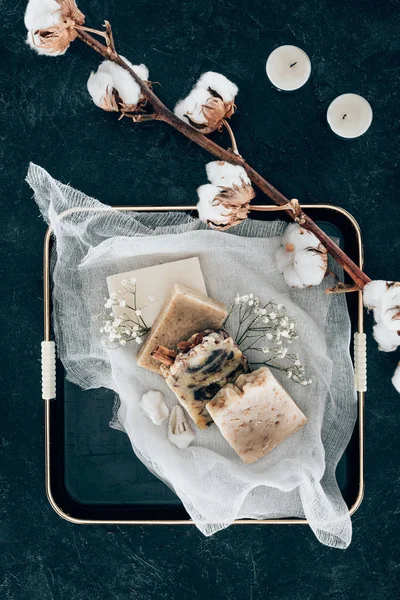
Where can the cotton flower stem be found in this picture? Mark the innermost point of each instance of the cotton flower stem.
(231, 135)
(342, 288)
(141, 118)
(109, 38)
(164, 114)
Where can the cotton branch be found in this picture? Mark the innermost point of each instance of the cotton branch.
(162, 113)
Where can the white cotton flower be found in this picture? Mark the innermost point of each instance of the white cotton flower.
(224, 174)
(208, 209)
(122, 303)
(373, 293)
(396, 378)
(133, 280)
(210, 101)
(124, 282)
(384, 298)
(302, 259)
(109, 77)
(387, 339)
(57, 20)
(138, 313)
(191, 109)
(225, 201)
(152, 298)
(218, 83)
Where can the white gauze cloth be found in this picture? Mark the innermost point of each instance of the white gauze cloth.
(297, 479)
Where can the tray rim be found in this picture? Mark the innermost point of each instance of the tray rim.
(47, 337)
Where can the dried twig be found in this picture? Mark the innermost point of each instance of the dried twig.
(164, 114)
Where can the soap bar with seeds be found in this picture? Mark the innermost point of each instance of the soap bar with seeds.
(184, 313)
(209, 361)
(255, 414)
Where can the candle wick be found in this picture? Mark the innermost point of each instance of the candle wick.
(344, 116)
(292, 65)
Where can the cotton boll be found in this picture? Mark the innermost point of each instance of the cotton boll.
(396, 379)
(190, 109)
(51, 25)
(208, 104)
(388, 310)
(41, 14)
(123, 82)
(100, 87)
(220, 84)
(153, 405)
(225, 174)
(292, 278)
(373, 293)
(302, 259)
(208, 211)
(300, 238)
(310, 266)
(283, 259)
(387, 339)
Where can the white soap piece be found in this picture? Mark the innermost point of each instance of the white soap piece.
(154, 284)
(179, 431)
(255, 414)
(153, 405)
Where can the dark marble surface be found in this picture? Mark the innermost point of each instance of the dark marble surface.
(47, 117)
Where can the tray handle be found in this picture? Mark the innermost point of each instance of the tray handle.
(360, 361)
(48, 370)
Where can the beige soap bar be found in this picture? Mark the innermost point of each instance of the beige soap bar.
(199, 373)
(154, 284)
(184, 313)
(255, 414)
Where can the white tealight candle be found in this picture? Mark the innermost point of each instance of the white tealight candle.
(349, 115)
(288, 68)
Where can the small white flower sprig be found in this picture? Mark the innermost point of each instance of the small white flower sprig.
(269, 330)
(121, 328)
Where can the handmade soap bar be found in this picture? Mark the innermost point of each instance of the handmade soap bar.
(208, 361)
(154, 284)
(255, 414)
(185, 312)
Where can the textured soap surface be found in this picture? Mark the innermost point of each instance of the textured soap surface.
(197, 375)
(184, 313)
(154, 284)
(255, 414)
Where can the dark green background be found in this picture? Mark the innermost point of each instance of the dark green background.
(47, 117)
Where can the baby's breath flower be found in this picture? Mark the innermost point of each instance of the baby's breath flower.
(123, 328)
(152, 298)
(269, 322)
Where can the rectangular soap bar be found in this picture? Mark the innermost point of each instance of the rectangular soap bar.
(255, 414)
(184, 313)
(154, 284)
(199, 373)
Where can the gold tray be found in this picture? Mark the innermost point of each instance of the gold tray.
(55, 488)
